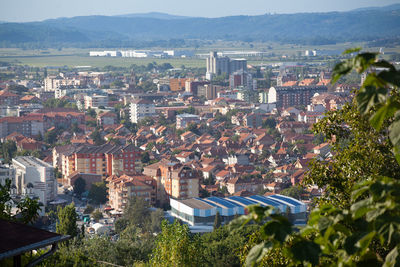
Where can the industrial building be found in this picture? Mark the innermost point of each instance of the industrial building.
(198, 211)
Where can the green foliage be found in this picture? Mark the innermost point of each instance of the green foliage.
(89, 209)
(50, 137)
(294, 192)
(121, 224)
(96, 136)
(269, 123)
(97, 215)
(176, 247)
(117, 84)
(67, 218)
(9, 149)
(58, 103)
(79, 186)
(217, 221)
(223, 246)
(27, 209)
(145, 157)
(98, 192)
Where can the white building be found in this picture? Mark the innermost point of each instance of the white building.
(104, 53)
(96, 101)
(35, 178)
(141, 109)
(6, 173)
(183, 120)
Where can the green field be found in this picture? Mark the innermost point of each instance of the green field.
(74, 61)
(73, 57)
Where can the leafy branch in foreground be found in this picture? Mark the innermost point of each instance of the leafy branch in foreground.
(367, 230)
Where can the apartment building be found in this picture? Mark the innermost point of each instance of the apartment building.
(104, 160)
(141, 109)
(288, 96)
(183, 120)
(8, 98)
(6, 174)
(95, 101)
(54, 82)
(177, 84)
(107, 118)
(121, 188)
(35, 178)
(174, 180)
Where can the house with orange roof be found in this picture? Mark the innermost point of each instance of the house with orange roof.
(28, 99)
(290, 83)
(8, 98)
(307, 82)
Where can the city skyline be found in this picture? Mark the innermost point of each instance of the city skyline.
(11, 11)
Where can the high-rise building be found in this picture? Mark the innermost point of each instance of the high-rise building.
(35, 178)
(218, 65)
(141, 109)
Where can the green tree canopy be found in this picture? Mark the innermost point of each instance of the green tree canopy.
(98, 192)
(217, 221)
(67, 218)
(176, 247)
(79, 186)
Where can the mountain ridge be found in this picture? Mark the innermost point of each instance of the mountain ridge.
(131, 29)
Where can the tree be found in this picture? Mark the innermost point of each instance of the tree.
(293, 191)
(120, 225)
(137, 211)
(89, 209)
(79, 186)
(176, 247)
(9, 149)
(97, 215)
(50, 137)
(217, 221)
(145, 157)
(96, 136)
(269, 123)
(98, 192)
(67, 218)
(27, 209)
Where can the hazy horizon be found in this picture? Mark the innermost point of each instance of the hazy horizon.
(39, 10)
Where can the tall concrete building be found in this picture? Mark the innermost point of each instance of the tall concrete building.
(141, 109)
(35, 178)
(218, 65)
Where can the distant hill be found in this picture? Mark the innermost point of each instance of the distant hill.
(169, 30)
(153, 15)
(383, 8)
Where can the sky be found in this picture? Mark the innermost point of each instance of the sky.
(37, 10)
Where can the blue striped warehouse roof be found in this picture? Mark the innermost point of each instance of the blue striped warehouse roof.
(236, 204)
(241, 200)
(286, 199)
(223, 202)
(267, 202)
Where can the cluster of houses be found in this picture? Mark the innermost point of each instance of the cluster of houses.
(197, 140)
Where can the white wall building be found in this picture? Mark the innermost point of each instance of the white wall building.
(141, 109)
(6, 173)
(96, 101)
(35, 178)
